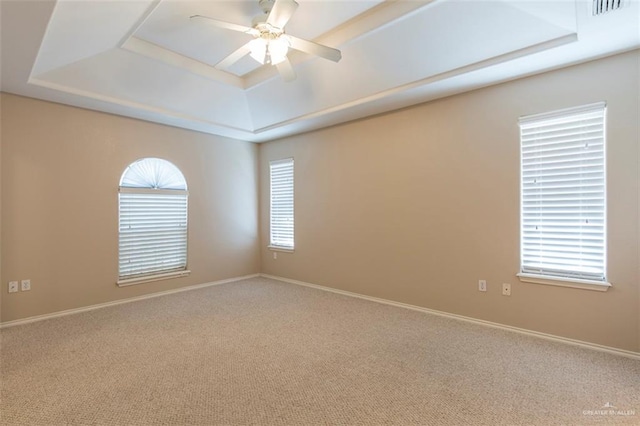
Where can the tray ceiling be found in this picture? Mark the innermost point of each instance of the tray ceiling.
(146, 58)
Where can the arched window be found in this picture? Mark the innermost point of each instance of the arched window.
(152, 205)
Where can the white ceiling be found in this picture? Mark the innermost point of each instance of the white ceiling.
(146, 59)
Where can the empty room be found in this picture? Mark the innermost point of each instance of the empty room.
(331, 212)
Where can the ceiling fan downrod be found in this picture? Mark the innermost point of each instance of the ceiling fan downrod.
(266, 5)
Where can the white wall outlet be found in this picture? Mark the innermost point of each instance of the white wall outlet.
(26, 285)
(506, 289)
(275, 254)
(482, 285)
(13, 286)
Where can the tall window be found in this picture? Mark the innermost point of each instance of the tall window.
(281, 220)
(153, 222)
(563, 195)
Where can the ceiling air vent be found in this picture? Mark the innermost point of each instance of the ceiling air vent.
(600, 7)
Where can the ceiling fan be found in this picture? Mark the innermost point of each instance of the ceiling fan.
(270, 44)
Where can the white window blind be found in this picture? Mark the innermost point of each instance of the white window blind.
(153, 219)
(563, 195)
(281, 184)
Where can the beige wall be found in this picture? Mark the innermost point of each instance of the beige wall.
(60, 172)
(417, 205)
(413, 206)
(3, 289)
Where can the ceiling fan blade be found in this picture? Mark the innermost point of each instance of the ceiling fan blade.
(315, 48)
(234, 57)
(281, 12)
(286, 70)
(226, 25)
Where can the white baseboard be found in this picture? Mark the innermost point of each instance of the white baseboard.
(574, 342)
(120, 302)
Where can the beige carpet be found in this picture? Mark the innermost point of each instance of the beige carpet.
(265, 352)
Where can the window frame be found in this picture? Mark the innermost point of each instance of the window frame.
(274, 245)
(152, 189)
(557, 279)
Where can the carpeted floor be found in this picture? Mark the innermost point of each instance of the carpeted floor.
(265, 352)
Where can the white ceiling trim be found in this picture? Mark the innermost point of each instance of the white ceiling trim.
(153, 51)
(374, 19)
(131, 104)
(145, 16)
(364, 100)
(563, 40)
(396, 53)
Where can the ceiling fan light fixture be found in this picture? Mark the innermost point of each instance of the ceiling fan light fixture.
(258, 49)
(268, 50)
(278, 49)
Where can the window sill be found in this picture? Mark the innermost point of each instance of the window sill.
(279, 248)
(149, 278)
(564, 282)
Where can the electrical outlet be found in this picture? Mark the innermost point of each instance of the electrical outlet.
(26, 285)
(13, 286)
(482, 285)
(275, 254)
(506, 289)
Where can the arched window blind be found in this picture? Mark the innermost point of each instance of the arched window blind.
(563, 203)
(152, 222)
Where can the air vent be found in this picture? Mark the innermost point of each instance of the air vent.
(600, 7)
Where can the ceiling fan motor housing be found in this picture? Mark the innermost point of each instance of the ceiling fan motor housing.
(259, 22)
